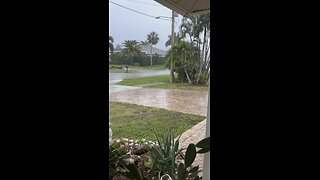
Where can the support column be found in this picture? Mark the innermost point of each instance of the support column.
(206, 162)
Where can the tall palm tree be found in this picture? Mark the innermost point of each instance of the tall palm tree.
(153, 40)
(176, 39)
(180, 58)
(193, 27)
(132, 49)
(111, 47)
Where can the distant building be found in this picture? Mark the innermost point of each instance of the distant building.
(145, 48)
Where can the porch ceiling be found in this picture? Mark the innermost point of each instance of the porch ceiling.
(187, 7)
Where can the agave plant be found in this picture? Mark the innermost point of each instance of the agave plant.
(168, 152)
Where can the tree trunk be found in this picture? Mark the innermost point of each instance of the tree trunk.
(185, 71)
(171, 75)
(203, 54)
(151, 54)
(171, 71)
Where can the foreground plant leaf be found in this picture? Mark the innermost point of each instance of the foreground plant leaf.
(204, 143)
(190, 155)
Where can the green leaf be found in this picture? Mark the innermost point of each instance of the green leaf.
(133, 172)
(142, 169)
(190, 154)
(160, 145)
(194, 169)
(177, 153)
(167, 167)
(156, 152)
(204, 150)
(122, 170)
(181, 171)
(204, 143)
(155, 162)
(176, 146)
(193, 175)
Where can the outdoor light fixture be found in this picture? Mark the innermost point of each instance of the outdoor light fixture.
(164, 17)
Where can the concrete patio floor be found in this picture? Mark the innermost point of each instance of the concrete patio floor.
(189, 102)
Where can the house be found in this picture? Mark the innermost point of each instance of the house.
(145, 48)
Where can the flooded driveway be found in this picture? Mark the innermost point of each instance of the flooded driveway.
(190, 102)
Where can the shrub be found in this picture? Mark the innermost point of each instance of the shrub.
(163, 160)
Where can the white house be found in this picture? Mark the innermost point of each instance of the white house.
(146, 49)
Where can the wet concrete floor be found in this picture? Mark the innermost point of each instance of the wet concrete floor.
(190, 102)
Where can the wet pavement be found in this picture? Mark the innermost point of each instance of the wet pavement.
(189, 102)
(117, 77)
(194, 135)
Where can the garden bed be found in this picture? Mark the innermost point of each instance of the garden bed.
(142, 159)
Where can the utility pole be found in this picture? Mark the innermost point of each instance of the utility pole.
(172, 44)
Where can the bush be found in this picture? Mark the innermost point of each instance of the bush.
(118, 160)
(142, 60)
(115, 67)
(163, 160)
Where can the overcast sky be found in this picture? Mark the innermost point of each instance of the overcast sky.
(125, 24)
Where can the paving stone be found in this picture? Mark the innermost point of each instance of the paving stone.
(171, 99)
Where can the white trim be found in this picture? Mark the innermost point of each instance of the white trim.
(206, 161)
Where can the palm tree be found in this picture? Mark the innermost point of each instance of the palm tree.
(111, 47)
(153, 40)
(131, 50)
(181, 59)
(176, 39)
(193, 26)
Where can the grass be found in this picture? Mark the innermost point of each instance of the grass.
(144, 80)
(182, 86)
(154, 67)
(163, 79)
(140, 122)
(122, 71)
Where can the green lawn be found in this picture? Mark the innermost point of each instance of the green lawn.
(182, 86)
(163, 79)
(154, 67)
(144, 80)
(140, 122)
(122, 71)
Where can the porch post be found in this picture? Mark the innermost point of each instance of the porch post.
(206, 162)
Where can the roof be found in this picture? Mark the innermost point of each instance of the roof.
(145, 49)
(186, 9)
